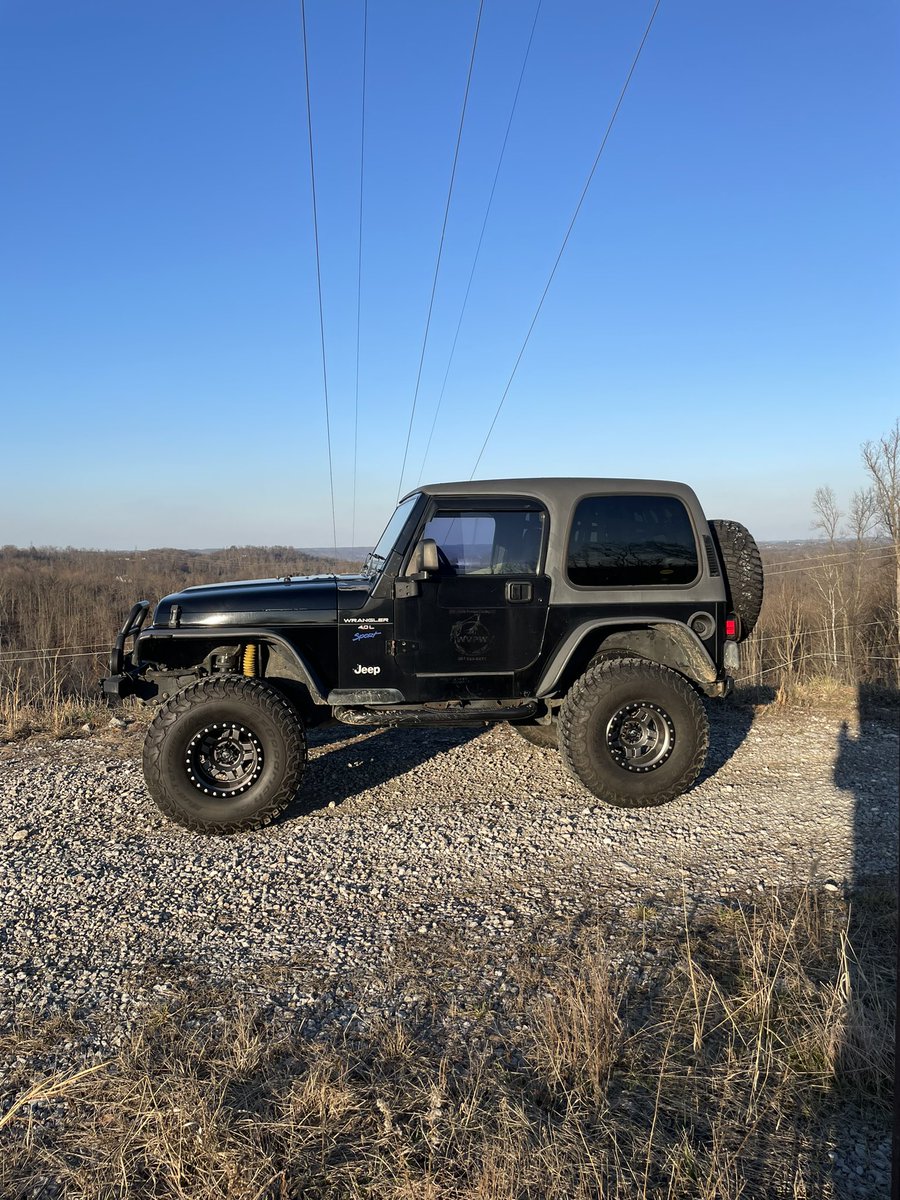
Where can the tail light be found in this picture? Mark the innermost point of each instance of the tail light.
(731, 626)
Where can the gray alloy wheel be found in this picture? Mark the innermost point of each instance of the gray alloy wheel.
(633, 732)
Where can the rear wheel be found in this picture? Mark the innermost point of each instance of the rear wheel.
(225, 754)
(633, 732)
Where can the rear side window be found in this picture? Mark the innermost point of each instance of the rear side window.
(631, 541)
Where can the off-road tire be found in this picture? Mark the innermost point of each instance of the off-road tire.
(589, 717)
(545, 736)
(272, 734)
(743, 572)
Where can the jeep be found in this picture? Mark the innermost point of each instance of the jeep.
(591, 614)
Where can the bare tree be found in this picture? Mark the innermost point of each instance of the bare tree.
(882, 462)
(828, 519)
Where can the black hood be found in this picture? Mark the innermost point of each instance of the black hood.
(297, 600)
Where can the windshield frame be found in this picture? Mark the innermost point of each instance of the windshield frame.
(379, 555)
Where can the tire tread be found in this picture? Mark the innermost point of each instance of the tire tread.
(574, 730)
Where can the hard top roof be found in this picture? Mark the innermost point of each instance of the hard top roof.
(555, 490)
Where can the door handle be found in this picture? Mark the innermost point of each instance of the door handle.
(517, 591)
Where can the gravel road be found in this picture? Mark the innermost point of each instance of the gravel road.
(405, 833)
(403, 839)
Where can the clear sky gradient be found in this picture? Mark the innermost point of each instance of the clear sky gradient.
(726, 312)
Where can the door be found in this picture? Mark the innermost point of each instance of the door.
(480, 618)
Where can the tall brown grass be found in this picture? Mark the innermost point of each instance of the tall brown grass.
(729, 1060)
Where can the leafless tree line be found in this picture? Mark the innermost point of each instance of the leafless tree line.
(60, 609)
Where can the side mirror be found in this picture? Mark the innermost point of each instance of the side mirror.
(424, 560)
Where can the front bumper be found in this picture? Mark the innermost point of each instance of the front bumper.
(122, 679)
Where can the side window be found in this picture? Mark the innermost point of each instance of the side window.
(631, 541)
(487, 543)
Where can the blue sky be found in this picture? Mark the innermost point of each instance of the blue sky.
(726, 312)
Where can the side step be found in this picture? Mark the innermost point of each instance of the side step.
(467, 713)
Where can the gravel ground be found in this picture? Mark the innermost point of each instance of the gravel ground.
(401, 836)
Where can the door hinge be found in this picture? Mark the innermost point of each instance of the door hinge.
(405, 588)
(400, 647)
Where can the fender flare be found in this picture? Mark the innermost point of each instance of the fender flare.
(661, 640)
(246, 633)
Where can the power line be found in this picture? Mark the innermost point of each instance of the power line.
(487, 213)
(93, 648)
(820, 558)
(584, 192)
(362, 151)
(795, 662)
(41, 658)
(880, 557)
(312, 174)
(437, 265)
(801, 633)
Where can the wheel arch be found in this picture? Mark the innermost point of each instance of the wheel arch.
(282, 661)
(664, 641)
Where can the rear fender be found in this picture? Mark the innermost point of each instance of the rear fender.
(669, 643)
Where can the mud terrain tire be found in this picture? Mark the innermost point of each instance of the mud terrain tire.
(224, 755)
(633, 732)
(743, 572)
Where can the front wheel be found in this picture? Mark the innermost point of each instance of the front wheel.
(633, 732)
(225, 754)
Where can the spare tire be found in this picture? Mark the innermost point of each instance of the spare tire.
(743, 572)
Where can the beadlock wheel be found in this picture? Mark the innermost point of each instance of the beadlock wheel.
(640, 736)
(633, 732)
(228, 753)
(224, 760)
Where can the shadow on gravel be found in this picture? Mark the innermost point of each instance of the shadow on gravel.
(866, 765)
(729, 724)
(349, 766)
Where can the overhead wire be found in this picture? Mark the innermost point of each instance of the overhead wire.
(568, 233)
(362, 160)
(795, 662)
(312, 173)
(437, 266)
(801, 633)
(820, 558)
(875, 558)
(462, 313)
(94, 647)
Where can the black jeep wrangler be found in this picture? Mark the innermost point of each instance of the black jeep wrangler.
(589, 613)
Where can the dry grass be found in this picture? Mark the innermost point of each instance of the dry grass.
(724, 1065)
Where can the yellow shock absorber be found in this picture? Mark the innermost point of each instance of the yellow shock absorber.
(249, 661)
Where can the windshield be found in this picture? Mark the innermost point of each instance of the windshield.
(377, 557)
